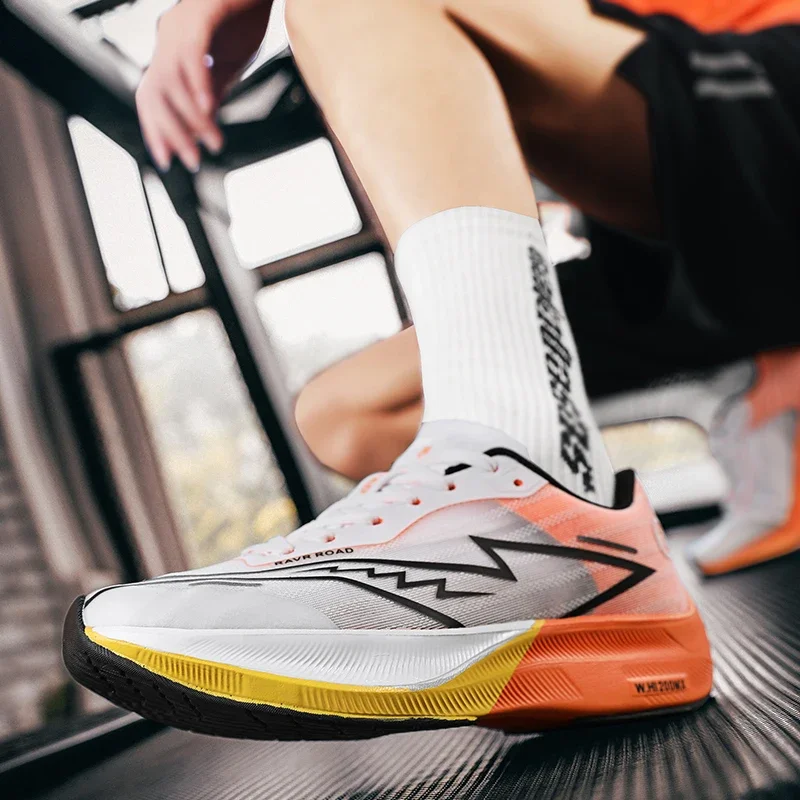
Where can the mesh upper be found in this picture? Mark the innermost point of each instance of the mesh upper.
(504, 584)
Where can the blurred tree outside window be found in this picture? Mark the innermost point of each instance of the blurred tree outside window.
(226, 488)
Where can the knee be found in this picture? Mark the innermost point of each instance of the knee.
(347, 449)
(333, 433)
(313, 418)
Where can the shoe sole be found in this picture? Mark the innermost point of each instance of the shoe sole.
(559, 673)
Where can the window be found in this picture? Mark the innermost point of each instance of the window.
(121, 219)
(317, 319)
(131, 28)
(289, 203)
(180, 258)
(222, 478)
(226, 487)
(673, 460)
(145, 246)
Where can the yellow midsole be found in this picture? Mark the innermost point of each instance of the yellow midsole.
(473, 693)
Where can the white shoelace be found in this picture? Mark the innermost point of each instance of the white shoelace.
(410, 473)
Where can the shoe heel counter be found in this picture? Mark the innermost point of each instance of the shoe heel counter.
(659, 588)
(623, 550)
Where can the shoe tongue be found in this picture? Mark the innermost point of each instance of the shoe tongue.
(460, 433)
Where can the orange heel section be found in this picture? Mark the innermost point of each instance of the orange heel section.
(581, 669)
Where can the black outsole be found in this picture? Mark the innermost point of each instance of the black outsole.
(156, 698)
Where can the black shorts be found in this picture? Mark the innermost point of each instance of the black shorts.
(637, 320)
(725, 141)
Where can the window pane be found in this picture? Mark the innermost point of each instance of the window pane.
(180, 257)
(289, 203)
(121, 219)
(226, 487)
(317, 319)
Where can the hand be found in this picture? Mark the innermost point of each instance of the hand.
(201, 47)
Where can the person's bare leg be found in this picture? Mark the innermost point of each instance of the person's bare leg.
(582, 129)
(359, 415)
(408, 94)
(494, 352)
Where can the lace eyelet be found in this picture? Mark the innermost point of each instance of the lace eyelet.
(377, 521)
(329, 538)
(518, 482)
(450, 487)
(416, 501)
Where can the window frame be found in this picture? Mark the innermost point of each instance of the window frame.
(93, 82)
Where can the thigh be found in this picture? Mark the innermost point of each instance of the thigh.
(584, 130)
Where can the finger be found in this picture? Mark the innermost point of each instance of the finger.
(196, 69)
(156, 144)
(172, 130)
(199, 122)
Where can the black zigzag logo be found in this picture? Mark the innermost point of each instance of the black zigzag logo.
(500, 571)
(336, 569)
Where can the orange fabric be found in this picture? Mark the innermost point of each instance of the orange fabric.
(591, 667)
(710, 16)
(777, 387)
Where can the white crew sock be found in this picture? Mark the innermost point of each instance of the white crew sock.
(495, 344)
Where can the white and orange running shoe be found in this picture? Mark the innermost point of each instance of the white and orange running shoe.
(756, 439)
(462, 587)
